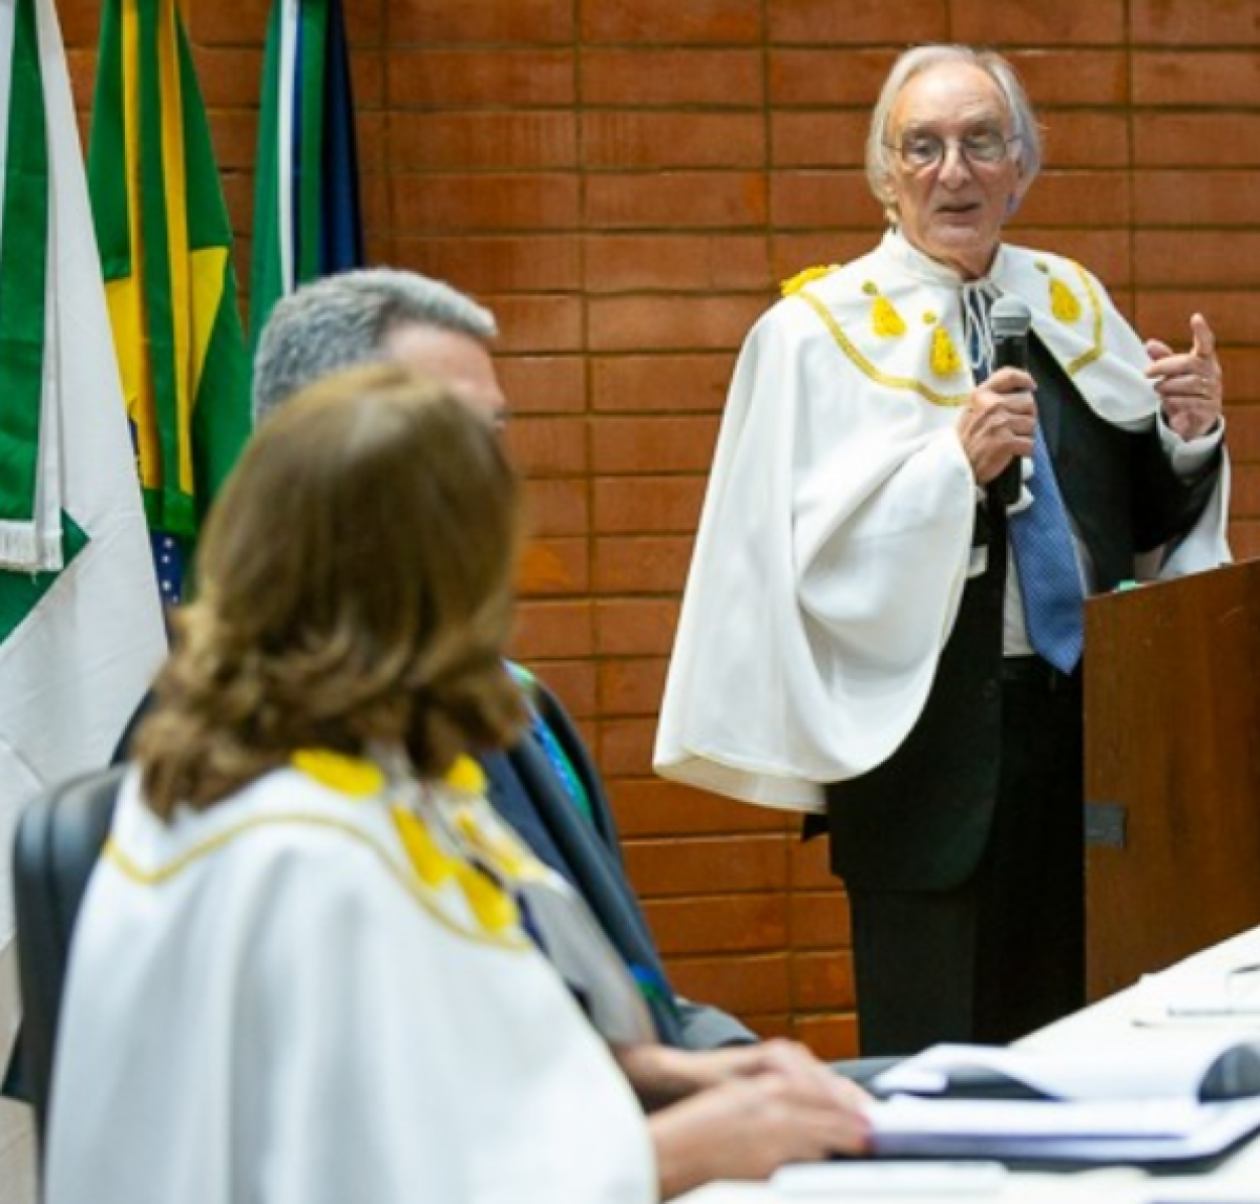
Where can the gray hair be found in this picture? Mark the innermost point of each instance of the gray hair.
(879, 155)
(345, 320)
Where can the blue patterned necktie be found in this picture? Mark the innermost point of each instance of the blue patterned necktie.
(1049, 579)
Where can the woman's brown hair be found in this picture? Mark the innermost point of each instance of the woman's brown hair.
(355, 586)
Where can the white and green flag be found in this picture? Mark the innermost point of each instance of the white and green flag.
(81, 632)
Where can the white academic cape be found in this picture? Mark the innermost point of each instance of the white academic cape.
(267, 1005)
(835, 538)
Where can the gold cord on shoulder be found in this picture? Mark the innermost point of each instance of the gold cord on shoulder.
(901, 383)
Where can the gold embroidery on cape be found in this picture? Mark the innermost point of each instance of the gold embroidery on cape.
(943, 351)
(465, 776)
(1066, 306)
(886, 322)
(354, 777)
(863, 365)
(1063, 302)
(794, 284)
(513, 939)
(435, 866)
(494, 908)
(945, 358)
(1088, 357)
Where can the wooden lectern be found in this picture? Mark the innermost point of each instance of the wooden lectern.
(1172, 771)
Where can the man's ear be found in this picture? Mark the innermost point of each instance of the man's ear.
(888, 199)
(1016, 198)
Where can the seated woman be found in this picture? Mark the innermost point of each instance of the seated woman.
(300, 975)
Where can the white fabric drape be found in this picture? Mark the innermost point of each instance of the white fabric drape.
(835, 537)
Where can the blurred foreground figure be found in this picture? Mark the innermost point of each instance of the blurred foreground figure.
(300, 973)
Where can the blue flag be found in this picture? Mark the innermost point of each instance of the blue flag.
(307, 221)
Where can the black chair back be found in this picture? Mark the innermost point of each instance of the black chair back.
(59, 838)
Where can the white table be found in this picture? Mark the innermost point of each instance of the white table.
(1104, 1026)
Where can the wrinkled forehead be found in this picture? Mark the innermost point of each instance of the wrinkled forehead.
(948, 96)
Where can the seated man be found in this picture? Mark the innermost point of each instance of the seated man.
(545, 785)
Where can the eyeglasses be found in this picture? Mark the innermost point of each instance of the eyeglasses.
(923, 152)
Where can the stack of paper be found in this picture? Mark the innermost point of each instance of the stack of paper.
(1135, 1106)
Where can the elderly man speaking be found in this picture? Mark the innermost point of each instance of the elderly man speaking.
(883, 622)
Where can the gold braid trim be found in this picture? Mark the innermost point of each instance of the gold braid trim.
(164, 873)
(1088, 357)
(794, 284)
(902, 383)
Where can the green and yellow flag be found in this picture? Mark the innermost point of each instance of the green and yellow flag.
(166, 251)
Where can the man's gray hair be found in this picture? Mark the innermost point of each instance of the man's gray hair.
(880, 155)
(345, 320)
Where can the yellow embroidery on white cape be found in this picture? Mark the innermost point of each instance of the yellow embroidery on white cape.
(465, 776)
(355, 776)
(885, 320)
(430, 861)
(494, 908)
(1064, 303)
(1073, 305)
(794, 284)
(945, 358)
(491, 905)
(907, 384)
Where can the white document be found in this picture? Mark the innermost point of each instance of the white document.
(1119, 1105)
(1090, 1132)
(1085, 1074)
(1227, 999)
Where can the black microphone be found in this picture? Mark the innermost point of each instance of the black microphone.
(1009, 320)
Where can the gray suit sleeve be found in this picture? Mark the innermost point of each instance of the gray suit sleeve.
(705, 1027)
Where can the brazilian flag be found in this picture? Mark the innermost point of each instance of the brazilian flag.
(166, 252)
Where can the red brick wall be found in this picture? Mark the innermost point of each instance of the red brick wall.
(624, 181)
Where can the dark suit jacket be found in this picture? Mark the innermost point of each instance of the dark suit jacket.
(920, 821)
(527, 792)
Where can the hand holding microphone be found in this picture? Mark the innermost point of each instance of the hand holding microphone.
(998, 425)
